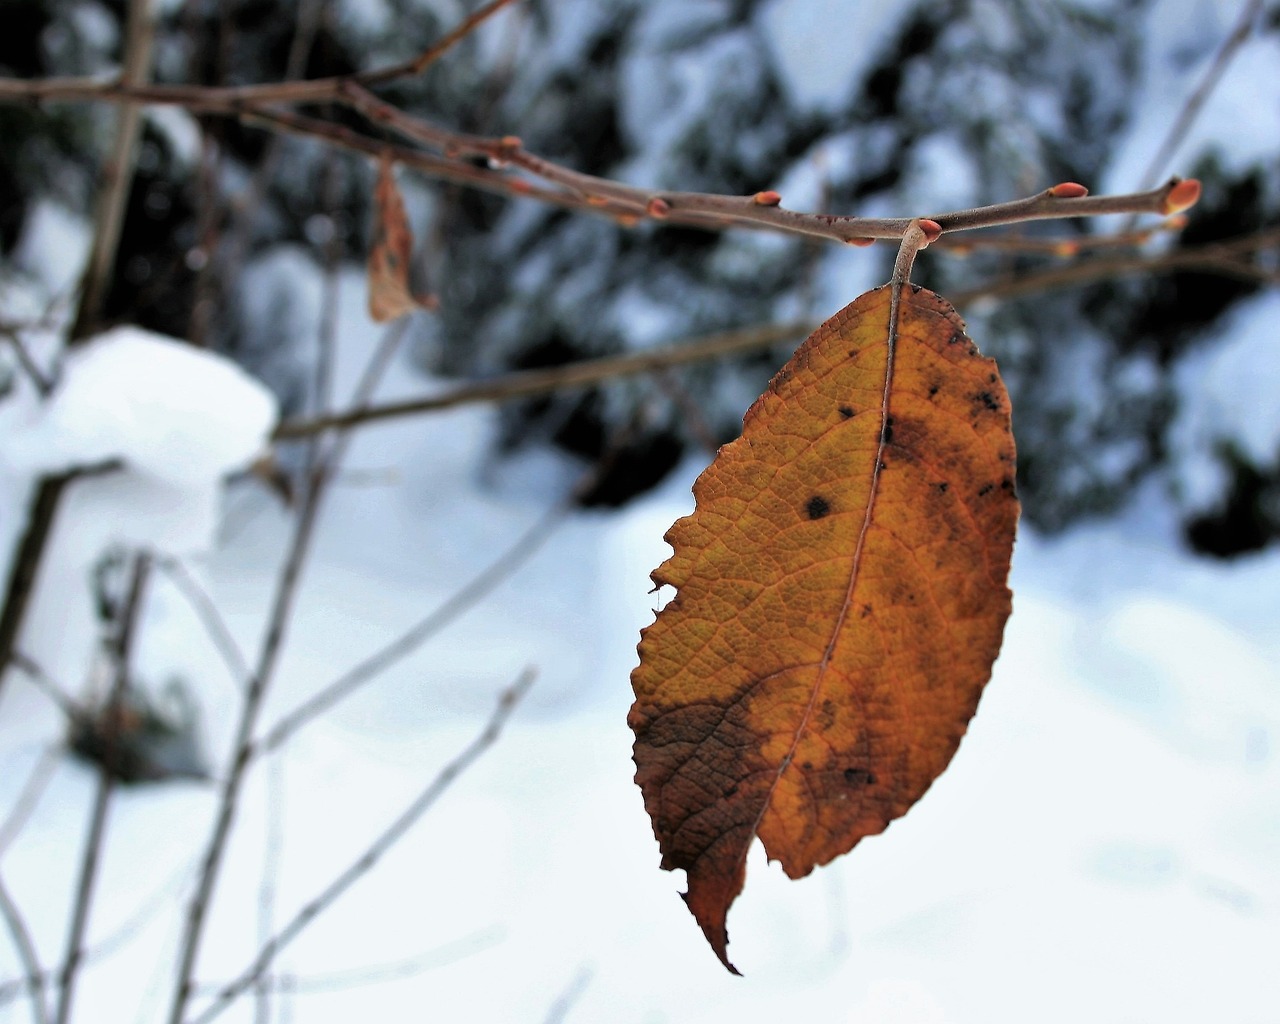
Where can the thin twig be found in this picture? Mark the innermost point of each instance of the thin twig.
(272, 856)
(1204, 88)
(42, 682)
(27, 955)
(121, 650)
(476, 589)
(378, 974)
(244, 207)
(37, 782)
(1219, 257)
(322, 470)
(559, 1010)
(500, 569)
(42, 384)
(585, 191)
(215, 626)
(229, 797)
(524, 383)
(117, 173)
(376, 850)
(315, 90)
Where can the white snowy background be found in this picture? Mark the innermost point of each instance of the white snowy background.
(1105, 846)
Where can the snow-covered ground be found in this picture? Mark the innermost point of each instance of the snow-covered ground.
(1105, 846)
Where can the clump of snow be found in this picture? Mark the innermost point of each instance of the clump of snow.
(154, 403)
(1227, 397)
(823, 47)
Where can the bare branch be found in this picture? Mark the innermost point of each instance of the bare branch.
(27, 955)
(559, 1010)
(500, 569)
(41, 774)
(1195, 102)
(121, 650)
(524, 383)
(438, 49)
(629, 204)
(374, 853)
(42, 384)
(321, 470)
(207, 612)
(40, 679)
(314, 90)
(117, 173)
(1223, 258)
(378, 974)
(25, 566)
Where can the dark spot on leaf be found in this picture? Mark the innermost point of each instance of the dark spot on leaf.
(817, 507)
(883, 465)
(933, 389)
(859, 777)
(808, 766)
(846, 412)
(957, 338)
(866, 610)
(942, 487)
(985, 489)
(988, 400)
(991, 378)
(886, 435)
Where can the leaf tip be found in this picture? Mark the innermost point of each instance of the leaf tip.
(1068, 190)
(713, 928)
(1182, 195)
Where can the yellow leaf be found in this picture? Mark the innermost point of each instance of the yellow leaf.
(840, 598)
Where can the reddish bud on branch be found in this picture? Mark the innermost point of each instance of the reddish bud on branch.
(767, 198)
(1068, 190)
(932, 230)
(658, 208)
(1183, 195)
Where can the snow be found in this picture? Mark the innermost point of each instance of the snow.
(160, 406)
(1226, 396)
(1106, 834)
(823, 48)
(1105, 845)
(1241, 119)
